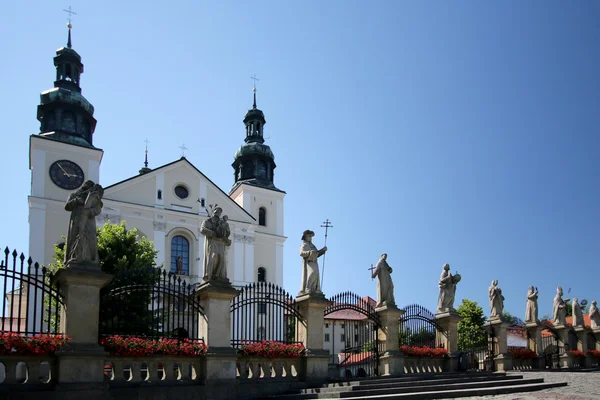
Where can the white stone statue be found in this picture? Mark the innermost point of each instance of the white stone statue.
(531, 312)
(594, 316)
(216, 239)
(559, 309)
(577, 314)
(385, 286)
(310, 266)
(496, 300)
(82, 241)
(447, 286)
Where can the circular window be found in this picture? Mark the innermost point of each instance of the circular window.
(181, 192)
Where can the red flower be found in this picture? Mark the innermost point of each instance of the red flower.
(140, 347)
(431, 352)
(594, 353)
(272, 349)
(13, 343)
(523, 354)
(577, 353)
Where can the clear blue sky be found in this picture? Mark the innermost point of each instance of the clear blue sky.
(459, 132)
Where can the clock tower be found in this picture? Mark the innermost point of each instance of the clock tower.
(62, 155)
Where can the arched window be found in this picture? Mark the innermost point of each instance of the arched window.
(180, 255)
(262, 216)
(262, 274)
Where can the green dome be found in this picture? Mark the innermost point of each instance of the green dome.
(66, 96)
(254, 148)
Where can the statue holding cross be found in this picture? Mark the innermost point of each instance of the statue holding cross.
(385, 286)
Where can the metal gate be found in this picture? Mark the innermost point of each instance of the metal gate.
(419, 328)
(478, 352)
(351, 336)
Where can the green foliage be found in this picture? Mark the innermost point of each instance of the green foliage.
(511, 319)
(470, 330)
(130, 260)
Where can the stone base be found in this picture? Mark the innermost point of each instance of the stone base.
(220, 284)
(452, 362)
(391, 363)
(316, 364)
(503, 362)
(445, 313)
(221, 364)
(79, 365)
(313, 296)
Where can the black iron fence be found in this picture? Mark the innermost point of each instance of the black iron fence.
(264, 311)
(159, 305)
(418, 327)
(31, 304)
(352, 338)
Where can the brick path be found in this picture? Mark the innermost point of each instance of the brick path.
(582, 386)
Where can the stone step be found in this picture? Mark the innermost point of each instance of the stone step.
(487, 390)
(411, 384)
(415, 377)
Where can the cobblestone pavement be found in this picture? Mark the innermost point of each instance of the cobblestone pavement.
(581, 386)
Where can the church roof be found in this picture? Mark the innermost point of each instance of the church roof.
(142, 177)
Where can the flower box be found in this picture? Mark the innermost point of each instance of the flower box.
(140, 347)
(427, 352)
(13, 344)
(272, 349)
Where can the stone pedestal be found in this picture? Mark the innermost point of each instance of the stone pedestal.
(582, 343)
(497, 333)
(391, 361)
(448, 321)
(563, 342)
(534, 342)
(311, 332)
(596, 333)
(215, 298)
(82, 359)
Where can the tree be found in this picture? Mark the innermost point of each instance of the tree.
(511, 319)
(131, 261)
(470, 329)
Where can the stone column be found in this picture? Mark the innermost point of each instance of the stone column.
(534, 342)
(391, 360)
(563, 340)
(448, 322)
(81, 361)
(311, 333)
(497, 330)
(215, 298)
(582, 343)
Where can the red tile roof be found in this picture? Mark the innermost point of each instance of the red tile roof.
(356, 358)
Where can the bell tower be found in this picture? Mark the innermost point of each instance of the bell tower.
(254, 189)
(62, 156)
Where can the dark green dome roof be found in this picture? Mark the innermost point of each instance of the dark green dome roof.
(254, 148)
(63, 95)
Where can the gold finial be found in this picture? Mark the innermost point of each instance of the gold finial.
(71, 13)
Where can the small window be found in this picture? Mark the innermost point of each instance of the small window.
(343, 326)
(159, 194)
(262, 274)
(181, 192)
(180, 255)
(262, 308)
(342, 338)
(326, 325)
(262, 216)
(327, 337)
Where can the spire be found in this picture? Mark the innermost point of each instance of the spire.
(145, 170)
(69, 39)
(254, 105)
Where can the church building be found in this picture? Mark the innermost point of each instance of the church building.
(166, 204)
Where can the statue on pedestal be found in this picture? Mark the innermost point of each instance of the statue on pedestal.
(447, 286)
(216, 233)
(559, 309)
(82, 242)
(385, 286)
(594, 316)
(496, 300)
(310, 266)
(531, 312)
(577, 314)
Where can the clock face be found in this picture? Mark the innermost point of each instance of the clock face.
(66, 174)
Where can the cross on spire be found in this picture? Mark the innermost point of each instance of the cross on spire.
(71, 13)
(254, 78)
(183, 149)
(146, 160)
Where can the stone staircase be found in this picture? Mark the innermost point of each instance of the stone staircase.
(426, 386)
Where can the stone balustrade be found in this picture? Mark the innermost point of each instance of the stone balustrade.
(422, 365)
(27, 370)
(249, 367)
(151, 369)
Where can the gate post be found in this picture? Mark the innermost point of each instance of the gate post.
(582, 342)
(311, 333)
(534, 341)
(391, 359)
(502, 358)
(82, 359)
(448, 322)
(563, 344)
(215, 298)
(596, 332)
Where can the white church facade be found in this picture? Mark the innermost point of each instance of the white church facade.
(166, 204)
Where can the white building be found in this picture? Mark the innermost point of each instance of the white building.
(166, 204)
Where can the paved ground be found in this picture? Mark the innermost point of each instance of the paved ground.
(582, 386)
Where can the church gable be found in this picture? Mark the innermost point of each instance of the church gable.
(177, 186)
